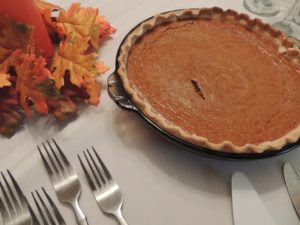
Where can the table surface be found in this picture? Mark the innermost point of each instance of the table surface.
(162, 184)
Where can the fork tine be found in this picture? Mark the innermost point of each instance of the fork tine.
(61, 153)
(12, 195)
(90, 181)
(54, 208)
(45, 208)
(51, 159)
(92, 169)
(21, 195)
(18, 189)
(33, 216)
(48, 168)
(96, 166)
(107, 173)
(9, 204)
(39, 209)
(55, 156)
(3, 211)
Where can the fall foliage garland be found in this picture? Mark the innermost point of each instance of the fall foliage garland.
(29, 82)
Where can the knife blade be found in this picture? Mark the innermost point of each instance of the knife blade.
(293, 185)
(248, 208)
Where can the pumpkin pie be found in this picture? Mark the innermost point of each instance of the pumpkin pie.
(215, 78)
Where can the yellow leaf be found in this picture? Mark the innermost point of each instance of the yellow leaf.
(43, 5)
(4, 80)
(46, 10)
(80, 22)
(71, 57)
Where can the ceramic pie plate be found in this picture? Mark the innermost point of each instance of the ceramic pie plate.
(124, 99)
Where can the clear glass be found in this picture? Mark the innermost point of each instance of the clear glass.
(261, 7)
(293, 15)
(296, 13)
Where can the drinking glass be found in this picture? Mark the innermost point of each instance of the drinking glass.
(261, 7)
(293, 15)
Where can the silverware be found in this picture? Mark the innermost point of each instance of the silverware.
(105, 189)
(293, 185)
(248, 208)
(19, 211)
(64, 179)
(44, 209)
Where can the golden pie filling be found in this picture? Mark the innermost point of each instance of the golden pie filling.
(217, 79)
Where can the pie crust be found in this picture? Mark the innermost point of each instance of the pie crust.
(285, 48)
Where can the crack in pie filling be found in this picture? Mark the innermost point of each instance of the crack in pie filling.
(215, 78)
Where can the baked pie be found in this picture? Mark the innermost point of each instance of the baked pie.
(215, 78)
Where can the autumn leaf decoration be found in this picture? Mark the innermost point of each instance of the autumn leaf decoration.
(30, 83)
(4, 80)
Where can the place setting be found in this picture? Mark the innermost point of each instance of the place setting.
(178, 112)
(67, 188)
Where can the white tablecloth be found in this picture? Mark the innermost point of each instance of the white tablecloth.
(162, 184)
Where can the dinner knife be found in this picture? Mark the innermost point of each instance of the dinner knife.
(248, 208)
(293, 185)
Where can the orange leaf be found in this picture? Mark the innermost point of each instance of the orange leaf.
(105, 28)
(32, 77)
(93, 89)
(4, 80)
(80, 22)
(102, 68)
(71, 57)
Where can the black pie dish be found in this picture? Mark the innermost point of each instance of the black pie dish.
(122, 99)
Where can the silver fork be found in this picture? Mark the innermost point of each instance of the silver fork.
(19, 211)
(44, 210)
(105, 189)
(64, 179)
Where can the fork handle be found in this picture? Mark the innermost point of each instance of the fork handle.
(120, 217)
(80, 217)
